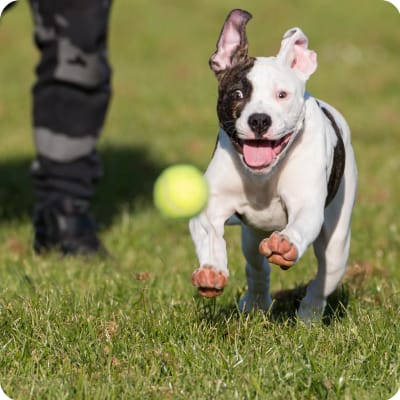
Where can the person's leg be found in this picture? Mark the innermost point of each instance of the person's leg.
(70, 100)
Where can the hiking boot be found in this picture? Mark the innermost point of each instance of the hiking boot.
(67, 226)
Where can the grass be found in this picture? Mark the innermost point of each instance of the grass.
(133, 327)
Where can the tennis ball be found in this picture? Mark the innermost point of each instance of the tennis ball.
(180, 191)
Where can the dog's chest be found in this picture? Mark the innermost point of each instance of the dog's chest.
(264, 212)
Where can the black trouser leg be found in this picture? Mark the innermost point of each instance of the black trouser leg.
(70, 96)
(70, 100)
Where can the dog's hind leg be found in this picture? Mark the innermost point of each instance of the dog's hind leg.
(331, 249)
(257, 273)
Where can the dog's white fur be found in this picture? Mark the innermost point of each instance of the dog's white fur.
(288, 196)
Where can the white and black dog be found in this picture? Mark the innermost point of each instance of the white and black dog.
(283, 166)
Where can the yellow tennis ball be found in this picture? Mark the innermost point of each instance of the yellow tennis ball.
(180, 191)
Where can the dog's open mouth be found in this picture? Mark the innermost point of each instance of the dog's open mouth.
(259, 154)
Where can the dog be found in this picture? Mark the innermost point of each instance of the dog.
(283, 167)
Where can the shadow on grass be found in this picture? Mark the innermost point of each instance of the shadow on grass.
(129, 174)
(16, 196)
(286, 303)
(284, 308)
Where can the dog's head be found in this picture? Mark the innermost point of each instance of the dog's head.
(261, 99)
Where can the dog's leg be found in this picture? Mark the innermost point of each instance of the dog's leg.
(331, 249)
(305, 211)
(207, 234)
(257, 273)
(331, 252)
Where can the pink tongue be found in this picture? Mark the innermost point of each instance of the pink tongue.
(258, 154)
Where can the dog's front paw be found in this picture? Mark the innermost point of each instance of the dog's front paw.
(208, 281)
(279, 250)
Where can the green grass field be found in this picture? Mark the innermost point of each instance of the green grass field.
(132, 327)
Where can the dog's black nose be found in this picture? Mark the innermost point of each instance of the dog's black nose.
(259, 123)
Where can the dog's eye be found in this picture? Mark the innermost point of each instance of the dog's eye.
(237, 94)
(282, 94)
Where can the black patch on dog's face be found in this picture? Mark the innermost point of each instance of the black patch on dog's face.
(234, 91)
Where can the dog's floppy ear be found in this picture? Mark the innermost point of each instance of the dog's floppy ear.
(294, 53)
(232, 43)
